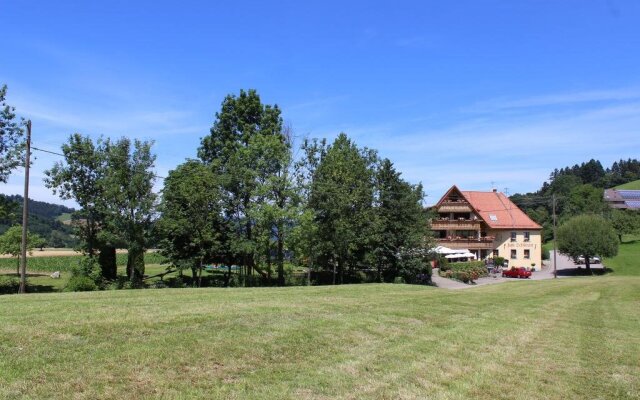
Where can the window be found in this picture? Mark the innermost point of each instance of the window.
(514, 254)
(496, 253)
(526, 236)
(513, 236)
(493, 217)
(527, 254)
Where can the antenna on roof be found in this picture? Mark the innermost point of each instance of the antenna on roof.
(506, 191)
(493, 185)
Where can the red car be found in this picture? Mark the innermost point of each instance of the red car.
(516, 273)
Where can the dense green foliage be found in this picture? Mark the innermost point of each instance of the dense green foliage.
(112, 181)
(43, 220)
(191, 225)
(466, 272)
(248, 205)
(587, 236)
(11, 138)
(625, 222)
(11, 243)
(578, 190)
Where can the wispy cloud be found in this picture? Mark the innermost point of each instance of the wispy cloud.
(557, 99)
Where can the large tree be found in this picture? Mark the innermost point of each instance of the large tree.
(237, 150)
(341, 199)
(587, 236)
(625, 222)
(191, 226)
(129, 200)
(12, 144)
(80, 177)
(402, 237)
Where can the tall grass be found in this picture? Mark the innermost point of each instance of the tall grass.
(66, 263)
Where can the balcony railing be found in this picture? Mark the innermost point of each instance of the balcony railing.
(454, 206)
(441, 224)
(470, 243)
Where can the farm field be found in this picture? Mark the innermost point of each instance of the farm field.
(635, 185)
(571, 338)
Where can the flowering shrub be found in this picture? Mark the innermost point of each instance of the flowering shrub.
(466, 272)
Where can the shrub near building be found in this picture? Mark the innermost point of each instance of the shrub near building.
(466, 272)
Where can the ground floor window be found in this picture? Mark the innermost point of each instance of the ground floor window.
(514, 254)
(496, 253)
(527, 253)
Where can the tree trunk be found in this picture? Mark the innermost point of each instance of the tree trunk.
(107, 261)
(135, 263)
(18, 266)
(200, 274)
(334, 272)
(280, 256)
(587, 264)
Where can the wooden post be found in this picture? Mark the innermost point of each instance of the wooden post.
(25, 214)
(555, 269)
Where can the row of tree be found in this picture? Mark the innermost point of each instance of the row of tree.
(245, 202)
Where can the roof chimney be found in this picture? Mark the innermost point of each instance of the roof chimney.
(495, 190)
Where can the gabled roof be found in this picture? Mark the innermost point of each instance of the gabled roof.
(495, 209)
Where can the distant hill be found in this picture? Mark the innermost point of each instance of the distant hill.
(635, 185)
(45, 219)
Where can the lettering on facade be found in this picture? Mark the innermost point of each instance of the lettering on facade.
(520, 245)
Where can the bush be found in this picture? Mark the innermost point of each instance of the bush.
(466, 272)
(545, 253)
(399, 279)
(9, 285)
(499, 261)
(80, 283)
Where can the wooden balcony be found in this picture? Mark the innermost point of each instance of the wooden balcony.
(455, 225)
(485, 243)
(454, 206)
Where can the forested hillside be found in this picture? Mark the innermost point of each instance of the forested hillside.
(578, 189)
(43, 220)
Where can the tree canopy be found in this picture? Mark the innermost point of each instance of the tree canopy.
(587, 236)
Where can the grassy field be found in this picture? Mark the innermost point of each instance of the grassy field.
(51, 262)
(635, 185)
(571, 338)
(627, 262)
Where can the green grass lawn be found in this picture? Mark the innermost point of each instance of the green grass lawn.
(627, 262)
(569, 338)
(635, 185)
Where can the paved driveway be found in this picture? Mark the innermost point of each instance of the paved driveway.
(566, 268)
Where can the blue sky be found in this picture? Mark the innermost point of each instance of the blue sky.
(465, 92)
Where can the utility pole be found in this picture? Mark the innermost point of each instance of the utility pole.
(555, 270)
(25, 214)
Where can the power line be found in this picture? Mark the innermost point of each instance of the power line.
(62, 155)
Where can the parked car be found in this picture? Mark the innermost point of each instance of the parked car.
(514, 272)
(592, 260)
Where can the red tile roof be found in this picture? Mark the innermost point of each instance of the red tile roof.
(496, 210)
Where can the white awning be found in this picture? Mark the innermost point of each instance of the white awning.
(466, 254)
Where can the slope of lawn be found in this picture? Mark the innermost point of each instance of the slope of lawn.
(635, 185)
(569, 338)
(627, 262)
